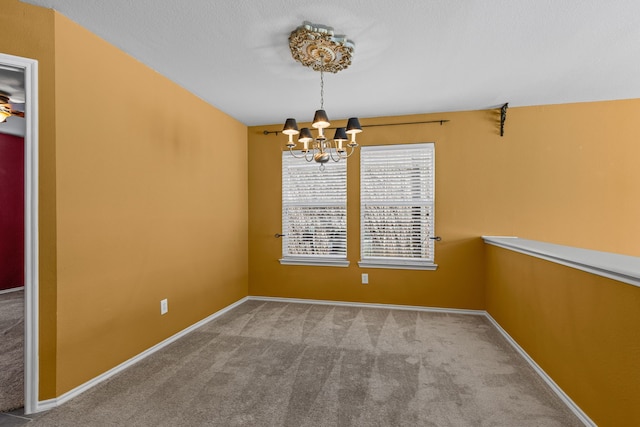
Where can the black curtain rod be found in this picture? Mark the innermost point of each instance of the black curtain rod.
(267, 132)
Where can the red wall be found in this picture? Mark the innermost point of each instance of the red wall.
(11, 211)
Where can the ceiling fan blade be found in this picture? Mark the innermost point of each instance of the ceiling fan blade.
(11, 108)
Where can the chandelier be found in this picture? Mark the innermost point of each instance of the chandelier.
(318, 48)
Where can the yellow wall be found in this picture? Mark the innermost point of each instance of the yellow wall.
(152, 204)
(568, 174)
(582, 329)
(452, 285)
(563, 174)
(143, 196)
(29, 33)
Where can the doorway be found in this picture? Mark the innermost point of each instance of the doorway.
(11, 250)
(29, 68)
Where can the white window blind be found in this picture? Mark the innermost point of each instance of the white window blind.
(397, 186)
(314, 212)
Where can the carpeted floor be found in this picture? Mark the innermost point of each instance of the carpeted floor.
(11, 350)
(288, 364)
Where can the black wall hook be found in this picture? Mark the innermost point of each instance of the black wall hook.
(503, 117)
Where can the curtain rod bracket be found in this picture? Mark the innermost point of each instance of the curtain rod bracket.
(503, 117)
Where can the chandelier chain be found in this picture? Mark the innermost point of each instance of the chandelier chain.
(321, 86)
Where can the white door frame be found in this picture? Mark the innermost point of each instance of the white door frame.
(30, 68)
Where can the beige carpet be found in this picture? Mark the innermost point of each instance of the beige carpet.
(288, 364)
(11, 350)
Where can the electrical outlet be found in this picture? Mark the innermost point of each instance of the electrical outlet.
(164, 306)
(365, 278)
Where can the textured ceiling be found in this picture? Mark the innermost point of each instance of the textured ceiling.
(411, 56)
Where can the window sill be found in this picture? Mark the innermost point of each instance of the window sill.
(398, 265)
(322, 262)
(622, 268)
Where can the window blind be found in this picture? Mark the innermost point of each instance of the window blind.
(314, 209)
(397, 202)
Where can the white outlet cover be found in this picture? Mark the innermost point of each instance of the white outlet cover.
(164, 306)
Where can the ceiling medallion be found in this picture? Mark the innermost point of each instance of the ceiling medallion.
(317, 47)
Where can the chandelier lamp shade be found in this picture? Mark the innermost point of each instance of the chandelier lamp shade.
(318, 48)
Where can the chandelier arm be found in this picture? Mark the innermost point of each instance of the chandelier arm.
(331, 149)
(340, 156)
(343, 156)
(307, 158)
(297, 157)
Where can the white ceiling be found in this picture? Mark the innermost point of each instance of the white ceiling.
(411, 56)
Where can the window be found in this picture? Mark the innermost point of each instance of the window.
(314, 212)
(397, 184)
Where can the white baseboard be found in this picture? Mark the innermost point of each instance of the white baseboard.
(547, 379)
(45, 405)
(52, 403)
(370, 305)
(8, 291)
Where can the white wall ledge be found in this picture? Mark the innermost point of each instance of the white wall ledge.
(623, 268)
(398, 265)
(315, 261)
